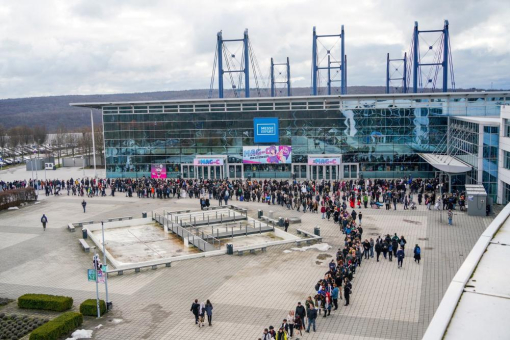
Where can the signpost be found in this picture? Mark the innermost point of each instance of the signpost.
(91, 274)
(96, 270)
(105, 278)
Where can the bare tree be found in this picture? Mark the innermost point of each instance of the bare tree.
(85, 141)
(99, 141)
(27, 136)
(60, 138)
(40, 135)
(72, 141)
(14, 137)
(3, 136)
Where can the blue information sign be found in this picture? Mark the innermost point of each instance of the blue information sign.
(265, 130)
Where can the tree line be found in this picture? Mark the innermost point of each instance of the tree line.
(63, 141)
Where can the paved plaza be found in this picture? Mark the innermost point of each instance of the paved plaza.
(248, 292)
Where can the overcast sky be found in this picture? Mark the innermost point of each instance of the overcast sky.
(55, 47)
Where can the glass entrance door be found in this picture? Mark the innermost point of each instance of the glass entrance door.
(235, 171)
(210, 171)
(350, 170)
(326, 172)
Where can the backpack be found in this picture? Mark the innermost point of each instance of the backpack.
(418, 251)
(402, 243)
(44, 219)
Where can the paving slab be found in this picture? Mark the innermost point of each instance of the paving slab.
(248, 292)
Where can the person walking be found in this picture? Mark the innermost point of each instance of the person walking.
(208, 310)
(378, 249)
(44, 220)
(450, 216)
(201, 314)
(400, 257)
(417, 254)
(301, 313)
(372, 247)
(334, 295)
(195, 309)
(347, 291)
(312, 316)
(360, 216)
(281, 334)
(286, 224)
(291, 320)
(266, 335)
(83, 204)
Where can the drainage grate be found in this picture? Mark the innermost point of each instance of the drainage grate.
(429, 248)
(372, 228)
(373, 234)
(423, 238)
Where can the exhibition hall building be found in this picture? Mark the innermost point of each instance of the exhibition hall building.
(315, 137)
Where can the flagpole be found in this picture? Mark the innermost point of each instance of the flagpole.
(93, 143)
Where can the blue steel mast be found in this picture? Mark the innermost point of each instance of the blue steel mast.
(446, 54)
(342, 67)
(246, 70)
(404, 73)
(287, 79)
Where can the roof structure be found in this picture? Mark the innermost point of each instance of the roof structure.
(480, 120)
(477, 302)
(392, 96)
(446, 163)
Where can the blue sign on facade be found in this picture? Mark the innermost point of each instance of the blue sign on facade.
(266, 130)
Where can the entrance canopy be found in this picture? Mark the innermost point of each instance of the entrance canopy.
(446, 163)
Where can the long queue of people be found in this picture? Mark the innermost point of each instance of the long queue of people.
(338, 279)
(303, 196)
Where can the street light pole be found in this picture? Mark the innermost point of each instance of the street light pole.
(104, 263)
(93, 143)
(96, 265)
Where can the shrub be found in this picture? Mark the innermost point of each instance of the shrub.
(89, 307)
(46, 302)
(58, 327)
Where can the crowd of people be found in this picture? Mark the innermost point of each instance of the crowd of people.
(303, 195)
(336, 201)
(341, 270)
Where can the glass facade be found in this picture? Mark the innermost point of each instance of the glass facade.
(506, 131)
(490, 160)
(506, 193)
(380, 138)
(506, 160)
(466, 142)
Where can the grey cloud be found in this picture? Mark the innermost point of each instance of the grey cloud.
(93, 46)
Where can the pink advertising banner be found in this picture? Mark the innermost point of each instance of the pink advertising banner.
(272, 154)
(158, 171)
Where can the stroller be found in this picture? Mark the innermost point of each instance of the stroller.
(376, 205)
(412, 205)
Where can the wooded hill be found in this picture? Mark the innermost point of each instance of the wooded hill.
(55, 110)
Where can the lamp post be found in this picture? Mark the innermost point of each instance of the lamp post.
(96, 267)
(106, 270)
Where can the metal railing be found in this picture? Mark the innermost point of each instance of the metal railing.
(183, 233)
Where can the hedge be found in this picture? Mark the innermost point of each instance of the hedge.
(46, 302)
(89, 307)
(58, 327)
(13, 198)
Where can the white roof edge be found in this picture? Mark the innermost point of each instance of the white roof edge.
(437, 163)
(444, 313)
(278, 99)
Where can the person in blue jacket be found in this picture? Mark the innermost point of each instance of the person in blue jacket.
(400, 257)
